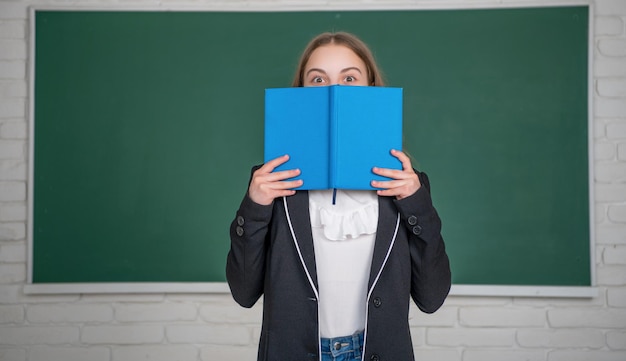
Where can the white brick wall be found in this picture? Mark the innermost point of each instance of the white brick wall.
(203, 327)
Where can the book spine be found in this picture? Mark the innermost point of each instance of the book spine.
(333, 108)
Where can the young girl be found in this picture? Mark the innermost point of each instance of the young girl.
(337, 279)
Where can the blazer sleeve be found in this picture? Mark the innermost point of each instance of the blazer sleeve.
(245, 263)
(430, 267)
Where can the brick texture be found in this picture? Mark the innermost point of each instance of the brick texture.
(203, 327)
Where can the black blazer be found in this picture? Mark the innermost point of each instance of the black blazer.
(272, 254)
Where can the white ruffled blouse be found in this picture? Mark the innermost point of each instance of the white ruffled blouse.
(343, 238)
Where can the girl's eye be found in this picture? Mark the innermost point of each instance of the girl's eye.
(317, 79)
(350, 79)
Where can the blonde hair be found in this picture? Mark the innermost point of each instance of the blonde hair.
(344, 39)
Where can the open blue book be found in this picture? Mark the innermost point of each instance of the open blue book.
(334, 134)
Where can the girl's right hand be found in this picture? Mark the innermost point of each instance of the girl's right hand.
(266, 186)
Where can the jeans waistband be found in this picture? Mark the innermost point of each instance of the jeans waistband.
(340, 345)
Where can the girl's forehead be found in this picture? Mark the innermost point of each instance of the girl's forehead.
(334, 54)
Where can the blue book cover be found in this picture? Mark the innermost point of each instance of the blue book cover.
(334, 134)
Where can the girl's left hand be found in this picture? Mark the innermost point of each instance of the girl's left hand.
(404, 182)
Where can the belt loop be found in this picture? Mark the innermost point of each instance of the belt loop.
(357, 344)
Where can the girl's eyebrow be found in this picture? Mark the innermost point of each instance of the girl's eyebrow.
(315, 69)
(342, 70)
(351, 68)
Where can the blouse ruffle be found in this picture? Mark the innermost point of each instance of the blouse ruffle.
(354, 213)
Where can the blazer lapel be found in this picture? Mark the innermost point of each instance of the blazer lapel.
(298, 212)
(385, 233)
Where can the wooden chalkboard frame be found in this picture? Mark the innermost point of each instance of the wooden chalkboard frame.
(219, 287)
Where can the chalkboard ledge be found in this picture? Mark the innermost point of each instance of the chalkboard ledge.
(222, 287)
(525, 291)
(127, 287)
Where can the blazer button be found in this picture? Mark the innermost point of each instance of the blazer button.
(417, 230)
(375, 357)
(239, 231)
(240, 221)
(412, 220)
(377, 302)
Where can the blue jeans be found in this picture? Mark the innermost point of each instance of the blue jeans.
(347, 348)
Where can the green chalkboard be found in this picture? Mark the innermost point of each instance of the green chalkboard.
(146, 125)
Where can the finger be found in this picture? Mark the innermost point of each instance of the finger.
(387, 192)
(403, 158)
(281, 189)
(278, 186)
(398, 187)
(269, 166)
(399, 192)
(266, 192)
(393, 173)
(388, 184)
(284, 193)
(279, 176)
